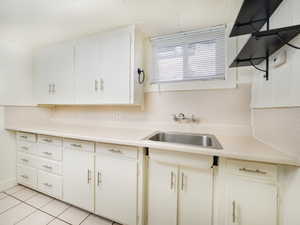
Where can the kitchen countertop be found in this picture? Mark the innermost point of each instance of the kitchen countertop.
(235, 147)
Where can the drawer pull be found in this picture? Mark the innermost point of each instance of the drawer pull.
(47, 153)
(47, 185)
(47, 140)
(77, 145)
(47, 167)
(25, 160)
(25, 148)
(115, 151)
(24, 176)
(23, 136)
(253, 171)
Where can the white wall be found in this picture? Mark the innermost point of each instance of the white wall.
(15, 89)
(280, 127)
(8, 155)
(15, 74)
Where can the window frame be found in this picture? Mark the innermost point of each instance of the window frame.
(230, 73)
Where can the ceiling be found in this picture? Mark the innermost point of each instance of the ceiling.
(32, 23)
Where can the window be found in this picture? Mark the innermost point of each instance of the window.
(194, 55)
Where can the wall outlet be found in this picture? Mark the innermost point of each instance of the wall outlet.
(279, 59)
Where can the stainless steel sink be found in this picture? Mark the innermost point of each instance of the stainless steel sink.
(202, 140)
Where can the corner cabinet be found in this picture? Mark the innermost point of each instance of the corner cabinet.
(184, 184)
(98, 69)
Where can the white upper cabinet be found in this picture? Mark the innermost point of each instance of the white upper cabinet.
(53, 74)
(98, 69)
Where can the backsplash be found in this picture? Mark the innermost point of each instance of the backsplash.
(222, 109)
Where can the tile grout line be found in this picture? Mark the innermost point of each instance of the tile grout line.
(85, 218)
(25, 217)
(10, 208)
(38, 209)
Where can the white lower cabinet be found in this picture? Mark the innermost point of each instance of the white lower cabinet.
(78, 177)
(251, 203)
(162, 196)
(195, 196)
(251, 194)
(116, 184)
(179, 191)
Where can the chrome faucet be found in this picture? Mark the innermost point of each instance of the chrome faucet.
(182, 117)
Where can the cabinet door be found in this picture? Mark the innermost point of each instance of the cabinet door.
(195, 196)
(43, 71)
(78, 178)
(54, 80)
(116, 189)
(162, 194)
(115, 53)
(251, 203)
(87, 71)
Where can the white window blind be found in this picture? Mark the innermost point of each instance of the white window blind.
(194, 55)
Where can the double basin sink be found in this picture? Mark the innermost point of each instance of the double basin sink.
(199, 140)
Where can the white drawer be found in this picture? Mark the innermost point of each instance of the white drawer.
(252, 169)
(26, 147)
(79, 145)
(49, 166)
(21, 136)
(50, 184)
(49, 151)
(27, 175)
(117, 150)
(26, 159)
(51, 140)
(182, 159)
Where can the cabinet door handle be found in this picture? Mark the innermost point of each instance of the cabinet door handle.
(53, 88)
(24, 148)
(99, 178)
(101, 84)
(253, 171)
(96, 85)
(182, 181)
(172, 180)
(89, 176)
(233, 212)
(23, 136)
(49, 88)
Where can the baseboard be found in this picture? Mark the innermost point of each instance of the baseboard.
(5, 184)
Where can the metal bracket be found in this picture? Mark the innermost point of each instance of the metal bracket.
(287, 43)
(266, 71)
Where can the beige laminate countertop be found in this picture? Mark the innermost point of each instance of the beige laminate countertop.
(235, 147)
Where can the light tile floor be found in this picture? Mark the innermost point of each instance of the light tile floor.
(23, 206)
